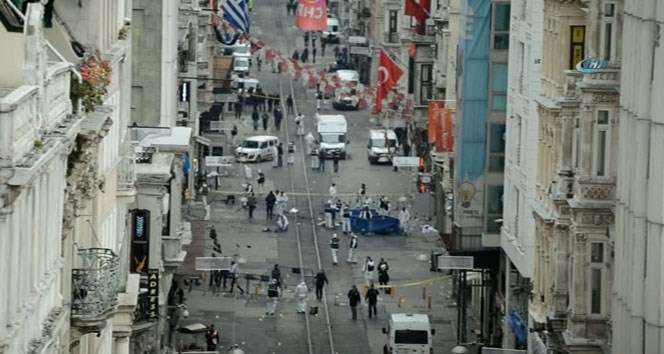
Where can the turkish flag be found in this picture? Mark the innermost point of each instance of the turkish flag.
(389, 74)
(419, 11)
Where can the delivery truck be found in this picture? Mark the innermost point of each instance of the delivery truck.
(332, 130)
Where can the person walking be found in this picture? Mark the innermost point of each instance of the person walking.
(299, 123)
(272, 297)
(255, 117)
(301, 293)
(313, 52)
(275, 156)
(212, 338)
(310, 141)
(345, 222)
(251, 203)
(280, 155)
(404, 218)
(333, 191)
(313, 40)
(278, 115)
(275, 274)
(265, 117)
(304, 58)
(248, 174)
(204, 191)
(361, 194)
(270, 200)
(296, 55)
(234, 135)
(319, 99)
(261, 180)
(321, 160)
(315, 163)
(233, 273)
(352, 249)
(329, 215)
(354, 300)
(320, 280)
(334, 248)
(383, 276)
(322, 48)
(368, 270)
(238, 109)
(289, 102)
(372, 299)
(335, 161)
(291, 153)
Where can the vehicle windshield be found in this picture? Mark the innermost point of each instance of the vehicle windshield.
(411, 337)
(241, 64)
(242, 50)
(381, 143)
(332, 138)
(250, 144)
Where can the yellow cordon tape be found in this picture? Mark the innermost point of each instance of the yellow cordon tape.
(421, 282)
(314, 194)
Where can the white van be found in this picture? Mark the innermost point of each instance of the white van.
(331, 34)
(241, 66)
(409, 333)
(332, 130)
(242, 50)
(256, 148)
(243, 85)
(382, 145)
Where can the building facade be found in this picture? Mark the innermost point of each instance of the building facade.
(637, 288)
(522, 127)
(578, 115)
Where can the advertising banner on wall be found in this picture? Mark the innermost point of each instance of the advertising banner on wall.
(153, 294)
(311, 15)
(140, 241)
(435, 106)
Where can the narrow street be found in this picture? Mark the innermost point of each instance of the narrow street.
(241, 319)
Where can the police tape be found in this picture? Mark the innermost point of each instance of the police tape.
(420, 282)
(315, 194)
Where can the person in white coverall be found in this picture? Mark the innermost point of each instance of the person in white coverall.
(301, 293)
(334, 248)
(368, 270)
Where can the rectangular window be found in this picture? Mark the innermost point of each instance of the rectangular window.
(497, 163)
(602, 138)
(426, 86)
(577, 46)
(597, 252)
(494, 200)
(496, 138)
(499, 103)
(575, 143)
(608, 34)
(392, 30)
(596, 291)
(517, 136)
(499, 87)
(501, 26)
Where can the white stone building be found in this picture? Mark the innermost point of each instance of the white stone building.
(91, 179)
(638, 286)
(518, 230)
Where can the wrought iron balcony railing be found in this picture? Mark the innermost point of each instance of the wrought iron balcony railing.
(95, 285)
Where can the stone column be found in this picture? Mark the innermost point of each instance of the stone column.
(586, 141)
(577, 294)
(566, 130)
(121, 343)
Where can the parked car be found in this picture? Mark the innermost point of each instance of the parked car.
(256, 148)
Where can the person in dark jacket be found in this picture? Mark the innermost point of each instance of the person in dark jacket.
(251, 203)
(278, 115)
(354, 300)
(372, 299)
(280, 154)
(383, 275)
(289, 103)
(270, 200)
(255, 117)
(320, 280)
(321, 160)
(265, 117)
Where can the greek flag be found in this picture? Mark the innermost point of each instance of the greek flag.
(237, 14)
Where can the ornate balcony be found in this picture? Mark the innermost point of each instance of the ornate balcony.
(594, 191)
(94, 288)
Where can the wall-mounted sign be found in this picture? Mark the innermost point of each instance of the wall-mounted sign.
(185, 91)
(360, 50)
(153, 294)
(357, 40)
(225, 97)
(140, 241)
(591, 65)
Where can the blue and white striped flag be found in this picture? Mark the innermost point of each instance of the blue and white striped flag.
(237, 14)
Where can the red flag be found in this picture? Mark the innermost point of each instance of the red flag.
(389, 74)
(419, 11)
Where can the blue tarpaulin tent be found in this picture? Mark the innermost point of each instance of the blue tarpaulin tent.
(378, 224)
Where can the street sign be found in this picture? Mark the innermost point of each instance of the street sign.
(357, 40)
(405, 161)
(455, 262)
(360, 50)
(219, 161)
(225, 97)
(221, 125)
(213, 263)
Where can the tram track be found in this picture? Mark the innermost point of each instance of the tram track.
(302, 241)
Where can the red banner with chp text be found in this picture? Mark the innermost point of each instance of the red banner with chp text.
(311, 15)
(440, 126)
